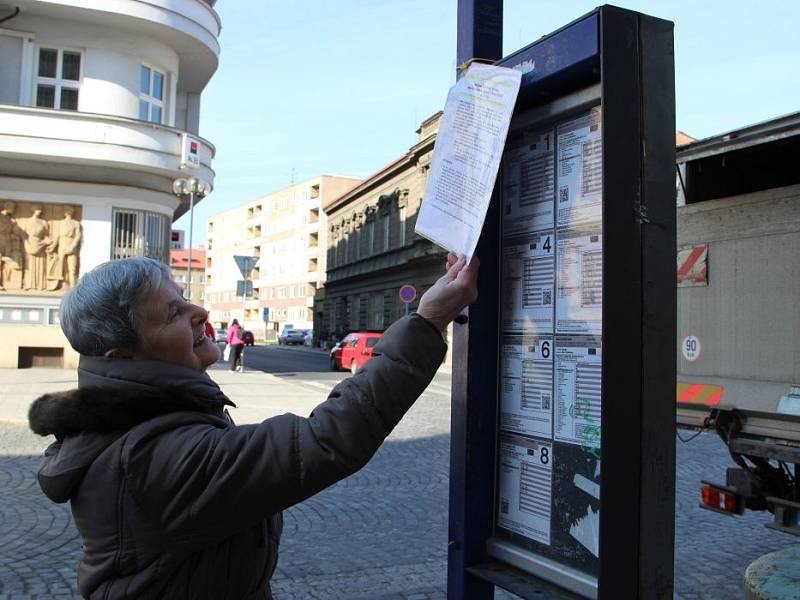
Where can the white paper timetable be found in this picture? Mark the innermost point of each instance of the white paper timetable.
(580, 171)
(525, 485)
(579, 282)
(526, 401)
(528, 282)
(551, 301)
(529, 182)
(578, 383)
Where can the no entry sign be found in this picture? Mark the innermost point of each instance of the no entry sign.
(408, 293)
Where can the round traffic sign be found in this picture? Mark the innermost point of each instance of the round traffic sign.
(408, 293)
(691, 348)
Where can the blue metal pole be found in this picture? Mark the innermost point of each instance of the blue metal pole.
(480, 30)
(473, 416)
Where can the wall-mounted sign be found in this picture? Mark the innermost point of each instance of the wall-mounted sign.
(176, 239)
(693, 266)
(691, 348)
(190, 152)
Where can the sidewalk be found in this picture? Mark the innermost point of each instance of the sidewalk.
(257, 395)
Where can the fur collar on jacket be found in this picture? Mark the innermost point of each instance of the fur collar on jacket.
(116, 394)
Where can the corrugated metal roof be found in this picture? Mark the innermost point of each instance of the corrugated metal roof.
(752, 135)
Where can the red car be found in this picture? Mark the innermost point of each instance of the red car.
(354, 350)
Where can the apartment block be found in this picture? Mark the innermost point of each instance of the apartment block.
(286, 230)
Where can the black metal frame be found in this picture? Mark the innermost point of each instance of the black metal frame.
(634, 66)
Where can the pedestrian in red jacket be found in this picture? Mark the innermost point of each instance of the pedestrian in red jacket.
(236, 342)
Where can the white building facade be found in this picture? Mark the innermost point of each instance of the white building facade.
(99, 115)
(286, 231)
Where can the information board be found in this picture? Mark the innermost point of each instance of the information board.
(548, 473)
(562, 429)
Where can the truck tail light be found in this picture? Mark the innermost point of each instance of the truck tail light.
(721, 498)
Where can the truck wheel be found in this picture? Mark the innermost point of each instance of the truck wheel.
(353, 367)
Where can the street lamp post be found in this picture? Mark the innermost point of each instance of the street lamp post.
(196, 189)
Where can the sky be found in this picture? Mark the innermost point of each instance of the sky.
(339, 87)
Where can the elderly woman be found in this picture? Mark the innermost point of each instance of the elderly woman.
(172, 499)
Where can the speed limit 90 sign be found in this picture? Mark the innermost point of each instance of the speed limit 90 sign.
(691, 348)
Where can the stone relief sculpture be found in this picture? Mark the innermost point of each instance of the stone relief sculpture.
(10, 251)
(63, 266)
(36, 242)
(38, 253)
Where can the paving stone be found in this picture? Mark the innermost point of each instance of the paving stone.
(379, 534)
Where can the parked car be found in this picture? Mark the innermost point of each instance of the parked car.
(247, 337)
(222, 335)
(292, 336)
(354, 350)
(336, 347)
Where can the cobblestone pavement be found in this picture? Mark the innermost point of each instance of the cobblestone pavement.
(380, 534)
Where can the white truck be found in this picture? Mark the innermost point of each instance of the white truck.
(739, 312)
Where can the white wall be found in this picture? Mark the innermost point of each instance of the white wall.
(111, 64)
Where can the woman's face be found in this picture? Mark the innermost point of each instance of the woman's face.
(172, 330)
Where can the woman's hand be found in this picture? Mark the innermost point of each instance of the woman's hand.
(453, 292)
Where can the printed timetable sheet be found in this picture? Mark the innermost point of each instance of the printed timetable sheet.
(529, 182)
(551, 335)
(578, 381)
(579, 287)
(526, 404)
(580, 171)
(525, 486)
(528, 282)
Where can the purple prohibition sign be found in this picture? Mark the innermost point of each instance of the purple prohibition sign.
(408, 293)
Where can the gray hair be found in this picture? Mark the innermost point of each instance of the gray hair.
(97, 314)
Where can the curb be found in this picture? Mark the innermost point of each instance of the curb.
(298, 348)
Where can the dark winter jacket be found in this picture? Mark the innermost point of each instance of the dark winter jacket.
(174, 501)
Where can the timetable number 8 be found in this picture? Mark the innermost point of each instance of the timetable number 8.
(544, 455)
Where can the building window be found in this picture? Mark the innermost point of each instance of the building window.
(301, 291)
(58, 78)
(402, 226)
(140, 233)
(291, 292)
(281, 292)
(376, 311)
(151, 95)
(386, 224)
(371, 237)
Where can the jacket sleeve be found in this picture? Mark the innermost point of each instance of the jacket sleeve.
(204, 481)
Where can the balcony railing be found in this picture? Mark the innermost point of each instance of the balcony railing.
(61, 140)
